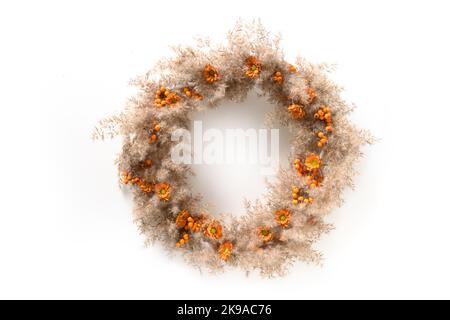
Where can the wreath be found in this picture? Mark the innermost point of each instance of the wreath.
(283, 226)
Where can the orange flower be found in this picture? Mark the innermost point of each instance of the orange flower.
(277, 77)
(182, 218)
(225, 250)
(253, 67)
(313, 162)
(210, 73)
(282, 217)
(296, 111)
(213, 230)
(265, 234)
(163, 191)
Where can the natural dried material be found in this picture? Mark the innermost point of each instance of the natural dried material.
(324, 151)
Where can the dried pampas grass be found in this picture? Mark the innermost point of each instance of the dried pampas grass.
(283, 226)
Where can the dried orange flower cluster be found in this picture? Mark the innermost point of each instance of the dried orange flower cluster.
(225, 250)
(310, 169)
(186, 222)
(313, 164)
(154, 132)
(182, 218)
(278, 77)
(324, 114)
(126, 177)
(210, 73)
(298, 196)
(184, 239)
(192, 93)
(194, 225)
(323, 139)
(164, 97)
(145, 186)
(265, 234)
(296, 111)
(163, 191)
(282, 217)
(314, 179)
(253, 67)
(213, 230)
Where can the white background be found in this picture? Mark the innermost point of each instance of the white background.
(65, 226)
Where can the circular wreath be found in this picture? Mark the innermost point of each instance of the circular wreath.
(283, 226)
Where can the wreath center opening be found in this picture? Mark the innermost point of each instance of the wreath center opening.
(233, 152)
